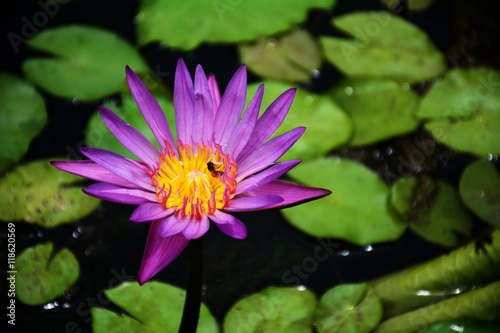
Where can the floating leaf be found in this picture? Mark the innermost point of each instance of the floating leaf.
(274, 309)
(379, 108)
(153, 307)
(98, 135)
(90, 62)
(461, 270)
(463, 325)
(39, 193)
(195, 22)
(43, 275)
(480, 191)
(327, 125)
(292, 56)
(441, 219)
(463, 110)
(357, 210)
(384, 46)
(348, 308)
(23, 115)
(413, 5)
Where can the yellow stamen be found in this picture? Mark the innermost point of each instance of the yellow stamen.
(197, 181)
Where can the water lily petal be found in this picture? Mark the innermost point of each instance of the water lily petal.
(231, 106)
(268, 153)
(243, 131)
(292, 194)
(130, 138)
(214, 91)
(183, 102)
(172, 225)
(269, 122)
(254, 202)
(203, 112)
(120, 166)
(159, 252)
(150, 211)
(94, 171)
(229, 225)
(150, 109)
(119, 194)
(264, 177)
(196, 227)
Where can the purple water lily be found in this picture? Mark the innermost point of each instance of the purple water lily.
(222, 162)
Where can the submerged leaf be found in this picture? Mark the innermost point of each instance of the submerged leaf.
(348, 308)
(379, 108)
(384, 46)
(357, 210)
(274, 309)
(23, 115)
(292, 56)
(480, 191)
(89, 64)
(39, 193)
(195, 22)
(327, 124)
(153, 307)
(43, 275)
(463, 325)
(463, 110)
(98, 135)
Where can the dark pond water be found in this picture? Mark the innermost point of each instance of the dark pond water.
(109, 247)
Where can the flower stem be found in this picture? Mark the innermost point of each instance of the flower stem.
(191, 312)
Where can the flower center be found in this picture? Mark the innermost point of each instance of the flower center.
(198, 181)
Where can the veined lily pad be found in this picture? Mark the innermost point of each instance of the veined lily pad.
(90, 62)
(98, 135)
(153, 307)
(274, 309)
(440, 219)
(463, 110)
(292, 56)
(23, 115)
(384, 46)
(480, 191)
(348, 308)
(327, 124)
(378, 108)
(43, 276)
(195, 22)
(463, 325)
(357, 210)
(39, 193)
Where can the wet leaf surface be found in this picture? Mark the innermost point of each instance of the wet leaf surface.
(274, 309)
(40, 194)
(43, 275)
(89, 62)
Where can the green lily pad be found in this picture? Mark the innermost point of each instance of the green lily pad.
(98, 135)
(195, 22)
(40, 194)
(384, 46)
(349, 308)
(274, 309)
(292, 56)
(463, 325)
(463, 110)
(357, 210)
(413, 5)
(480, 191)
(89, 64)
(441, 219)
(153, 307)
(43, 275)
(328, 126)
(23, 115)
(378, 108)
